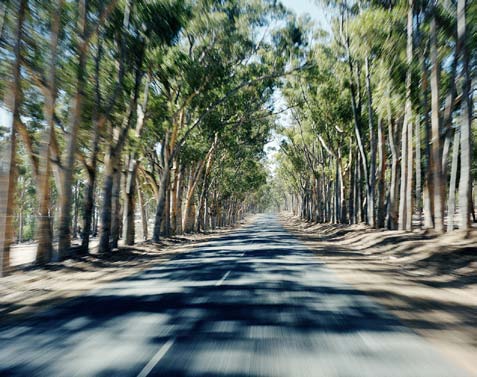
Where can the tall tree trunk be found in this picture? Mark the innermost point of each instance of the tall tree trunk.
(343, 219)
(200, 221)
(129, 202)
(65, 200)
(359, 198)
(436, 129)
(356, 108)
(188, 219)
(428, 192)
(88, 209)
(418, 196)
(130, 192)
(453, 182)
(336, 197)
(167, 212)
(403, 186)
(405, 203)
(44, 252)
(106, 212)
(110, 222)
(142, 210)
(363, 158)
(99, 119)
(381, 214)
(410, 177)
(466, 122)
(8, 175)
(75, 209)
(178, 210)
(392, 216)
(161, 201)
(371, 188)
(352, 186)
(21, 215)
(175, 183)
(116, 205)
(473, 201)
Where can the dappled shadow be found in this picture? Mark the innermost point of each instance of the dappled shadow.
(436, 315)
(442, 265)
(256, 303)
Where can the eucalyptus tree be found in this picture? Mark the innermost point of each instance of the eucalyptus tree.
(466, 118)
(144, 35)
(384, 74)
(216, 59)
(53, 50)
(8, 176)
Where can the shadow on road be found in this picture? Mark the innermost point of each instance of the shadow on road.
(254, 303)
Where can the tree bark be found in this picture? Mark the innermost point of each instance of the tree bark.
(44, 252)
(187, 220)
(453, 182)
(106, 212)
(92, 168)
(352, 186)
(392, 215)
(143, 211)
(428, 192)
(403, 186)
(372, 141)
(175, 183)
(200, 221)
(8, 174)
(466, 122)
(436, 128)
(178, 210)
(161, 202)
(129, 194)
(410, 177)
(381, 214)
(116, 205)
(129, 203)
(418, 196)
(65, 200)
(405, 203)
(110, 222)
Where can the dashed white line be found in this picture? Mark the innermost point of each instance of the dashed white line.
(223, 278)
(156, 358)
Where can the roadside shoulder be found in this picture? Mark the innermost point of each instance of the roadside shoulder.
(428, 282)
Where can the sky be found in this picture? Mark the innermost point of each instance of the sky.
(5, 117)
(317, 14)
(301, 7)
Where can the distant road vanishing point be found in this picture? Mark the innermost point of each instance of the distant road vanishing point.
(255, 302)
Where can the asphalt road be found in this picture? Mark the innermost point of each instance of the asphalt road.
(252, 303)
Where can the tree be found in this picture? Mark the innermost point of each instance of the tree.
(8, 176)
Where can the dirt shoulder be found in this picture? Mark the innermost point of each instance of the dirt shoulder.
(428, 281)
(32, 288)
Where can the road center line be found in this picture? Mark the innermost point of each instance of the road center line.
(223, 278)
(156, 358)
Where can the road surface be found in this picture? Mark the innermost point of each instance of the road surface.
(255, 302)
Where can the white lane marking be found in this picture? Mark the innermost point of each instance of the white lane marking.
(223, 278)
(156, 358)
